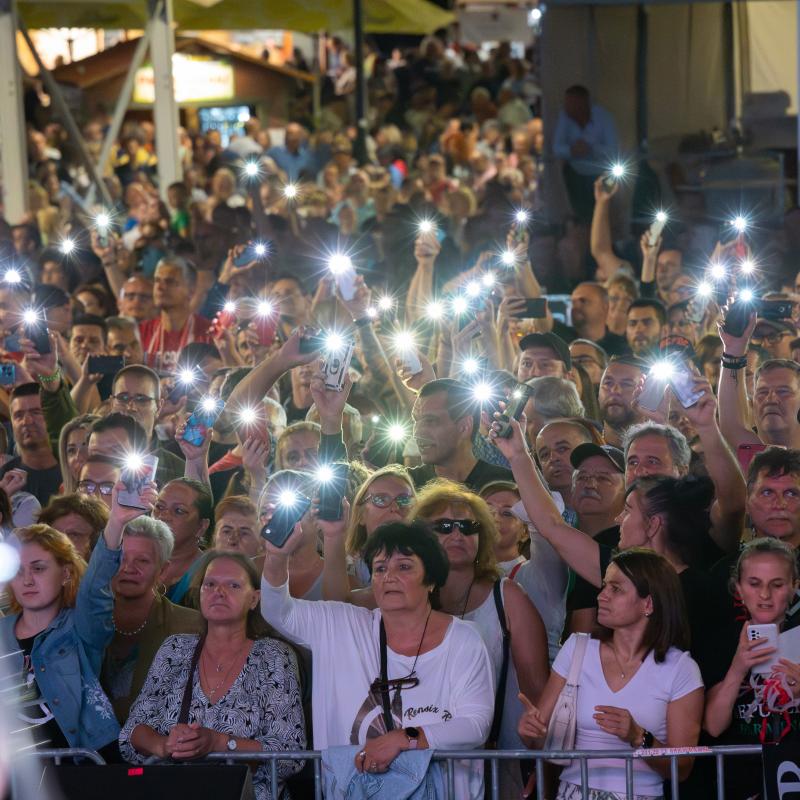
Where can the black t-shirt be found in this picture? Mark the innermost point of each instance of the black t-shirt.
(41, 483)
(481, 474)
(33, 710)
(583, 594)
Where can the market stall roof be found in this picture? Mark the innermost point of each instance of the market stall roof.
(380, 16)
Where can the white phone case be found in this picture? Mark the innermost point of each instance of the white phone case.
(769, 635)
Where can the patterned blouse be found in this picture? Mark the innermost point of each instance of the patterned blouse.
(263, 703)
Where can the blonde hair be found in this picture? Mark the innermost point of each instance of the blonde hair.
(438, 495)
(356, 537)
(65, 554)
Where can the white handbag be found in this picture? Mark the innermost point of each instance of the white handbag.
(563, 724)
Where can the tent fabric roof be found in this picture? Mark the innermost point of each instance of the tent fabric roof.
(380, 16)
(116, 60)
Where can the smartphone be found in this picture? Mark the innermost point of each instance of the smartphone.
(336, 365)
(346, 283)
(247, 256)
(40, 337)
(774, 309)
(516, 405)
(535, 308)
(332, 491)
(199, 422)
(737, 317)
(768, 634)
(102, 237)
(266, 326)
(8, 374)
(135, 481)
(280, 526)
(745, 453)
(11, 344)
(652, 392)
(682, 382)
(697, 308)
(312, 344)
(105, 365)
(180, 389)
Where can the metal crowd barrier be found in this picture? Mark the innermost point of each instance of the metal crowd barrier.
(494, 757)
(59, 753)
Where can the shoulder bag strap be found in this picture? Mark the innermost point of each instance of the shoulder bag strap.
(500, 694)
(386, 702)
(581, 642)
(183, 716)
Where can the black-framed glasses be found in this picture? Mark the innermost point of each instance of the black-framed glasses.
(384, 500)
(124, 399)
(468, 527)
(92, 487)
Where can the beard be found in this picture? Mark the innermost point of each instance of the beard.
(618, 416)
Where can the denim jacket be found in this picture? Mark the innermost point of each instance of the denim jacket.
(411, 776)
(67, 656)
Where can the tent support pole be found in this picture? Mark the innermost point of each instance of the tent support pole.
(13, 155)
(729, 62)
(797, 102)
(66, 117)
(641, 77)
(361, 86)
(165, 109)
(121, 107)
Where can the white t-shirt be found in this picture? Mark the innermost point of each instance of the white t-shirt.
(646, 696)
(453, 702)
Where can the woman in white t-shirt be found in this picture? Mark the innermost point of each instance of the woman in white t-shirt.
(438, 680)
(637, 687)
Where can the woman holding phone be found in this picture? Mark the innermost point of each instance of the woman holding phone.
(754, 694)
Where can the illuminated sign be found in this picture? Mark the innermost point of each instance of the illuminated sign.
(197, 79)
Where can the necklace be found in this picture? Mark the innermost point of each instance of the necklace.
(421, 640)
(128, 633)
(619, 663)
(219, 667)
(466, 599)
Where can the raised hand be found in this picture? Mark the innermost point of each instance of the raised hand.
(530, 725)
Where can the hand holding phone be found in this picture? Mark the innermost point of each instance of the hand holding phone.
(135, 475)
(281, 524)
(332, 491)
(514, 408)
(105, 365)
(768, 635)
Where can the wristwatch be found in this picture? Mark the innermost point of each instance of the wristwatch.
(647, 740)
(412, 734)
(231, 744)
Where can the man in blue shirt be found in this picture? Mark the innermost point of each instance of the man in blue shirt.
(294, 156)
(586, 140)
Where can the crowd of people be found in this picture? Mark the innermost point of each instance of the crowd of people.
(305, 452)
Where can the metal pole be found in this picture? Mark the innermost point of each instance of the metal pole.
(361, 86)
(121, 107)
(165, 109)
(797, 104)
(62, 108)
(641, 76)
(13, 154)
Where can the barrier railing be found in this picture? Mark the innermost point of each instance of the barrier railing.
(495, 757)
(59, 753)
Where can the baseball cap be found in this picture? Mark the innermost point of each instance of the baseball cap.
(589, 449)
(764, 327)
(551, 340)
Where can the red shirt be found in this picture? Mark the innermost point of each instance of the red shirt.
(228, 461)
(161, 348)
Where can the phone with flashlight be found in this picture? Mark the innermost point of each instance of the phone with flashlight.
(313, 343)
(767, 636)
(180, 389)
(331, 492)
(280, 526)
(135, 479)
(682, 380)
(346, 282)
(105, 365)
(266, 327)
(11, 343)
(40, 338)
(250, 254)
(102, 237)
(774, 309)
(514, 408)
(535, 308)
(336, 365)
(652, 391)
(199, 423)
(8, 374)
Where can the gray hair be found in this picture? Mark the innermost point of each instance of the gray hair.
(555, 397)
(155, 530)
(123, 324)
(356, 424)
(678, 446)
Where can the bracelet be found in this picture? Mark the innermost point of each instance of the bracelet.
(733, 363)
(50, 378)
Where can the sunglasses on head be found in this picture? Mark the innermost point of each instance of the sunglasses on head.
(468, 527)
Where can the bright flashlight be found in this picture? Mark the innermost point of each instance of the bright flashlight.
(718, 271)
(252, 168)
(508, 258)
(425, 226)
(264, 308)
(260, 250)
(521, 216)
(661, 216)
(290, 191)
(209, 404)
(247, 416)
(230, 307)
(488, 279)
(473, 288)
(460, 305)
(288, 498)
(30, 316)
(102, 220)
(517, 394)
(434, 310)
(324, 474)
(372, 312)
(404, 341)
(618, 170)
(67, 246)
(747, 266)
(339, 263)
(9, 562)
(482, 392)
(12, 276)
(705, 289)
(134, 462)
(187, 376)
(746, 295)
(334, 342)
(471, 366)
(662, 370)
(397, 432)
(739, 223)
(385, 303)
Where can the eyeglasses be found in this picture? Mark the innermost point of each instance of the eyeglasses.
(409, 682)
(468, 527)
(772, 338)
(125, 399)
(92, 487)
(584, 361)
(383, 500)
